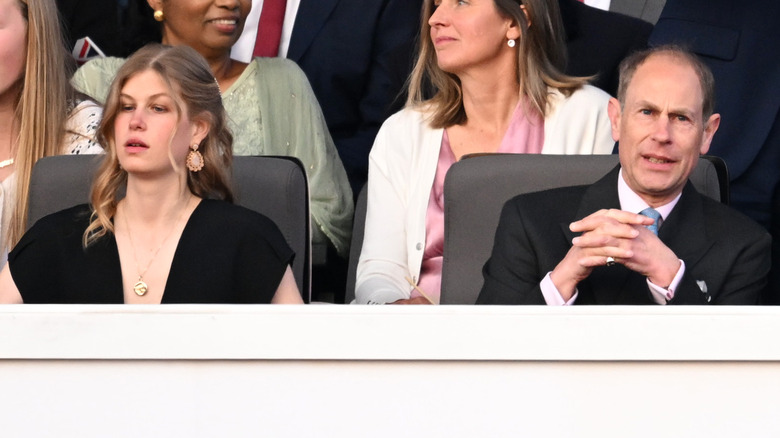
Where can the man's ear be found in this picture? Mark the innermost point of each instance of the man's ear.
(615, 112)
(710, 127)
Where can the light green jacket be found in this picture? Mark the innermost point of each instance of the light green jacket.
(272, 111)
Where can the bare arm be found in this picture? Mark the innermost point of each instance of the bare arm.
(9, 293)
(287, 292)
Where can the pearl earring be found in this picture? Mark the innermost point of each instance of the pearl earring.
(510, 43)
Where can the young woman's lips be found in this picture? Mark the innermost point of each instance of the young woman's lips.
(134, 145)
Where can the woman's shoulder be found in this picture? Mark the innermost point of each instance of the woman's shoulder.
(585, 99)
(94, 78)
(278, 82)
(587, 94)
(57, 226)
(240, 225)
(101, 66)
(218, 212)
(590, 92)
(409, 117)
(405, 132)
(276, 66)
(73, 215)
(277, 71)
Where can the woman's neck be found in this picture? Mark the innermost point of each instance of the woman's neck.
(489, 104)
(223, 70)
(491, 91)
(152, 202)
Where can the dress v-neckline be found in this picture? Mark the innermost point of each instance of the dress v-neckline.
(117, 262)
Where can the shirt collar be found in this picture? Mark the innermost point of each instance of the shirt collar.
(630, 201)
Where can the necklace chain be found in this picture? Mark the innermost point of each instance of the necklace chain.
(140, 286)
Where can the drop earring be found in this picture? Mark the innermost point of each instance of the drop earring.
(158, 15)
(510, 43)
(194, 159)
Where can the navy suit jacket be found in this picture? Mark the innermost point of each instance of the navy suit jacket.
(720, 247)
(343, 47)
(739, 41)
(597, 40)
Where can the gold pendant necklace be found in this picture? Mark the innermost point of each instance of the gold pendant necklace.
(140, 287)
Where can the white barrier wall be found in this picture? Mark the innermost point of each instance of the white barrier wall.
(355, 371)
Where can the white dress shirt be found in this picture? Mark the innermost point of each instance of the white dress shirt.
(243, 48)
(601, 4)
(629, 201)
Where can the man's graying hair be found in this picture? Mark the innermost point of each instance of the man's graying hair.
(629, 66)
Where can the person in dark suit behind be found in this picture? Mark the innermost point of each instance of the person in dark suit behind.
(343, 47)
(597, 40)
(739, 41)
(703, 253)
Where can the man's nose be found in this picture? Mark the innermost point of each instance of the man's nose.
(661, 131)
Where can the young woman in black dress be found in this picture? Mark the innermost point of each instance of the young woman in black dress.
(175, 237)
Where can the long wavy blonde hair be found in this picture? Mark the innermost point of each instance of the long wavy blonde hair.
(541, 60)
(193, 87)
(44, 100)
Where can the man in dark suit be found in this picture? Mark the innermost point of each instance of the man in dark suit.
(739, 41)
(343, 47)
(703, 252)
(597, 40)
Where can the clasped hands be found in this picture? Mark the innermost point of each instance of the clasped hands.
(618, 234)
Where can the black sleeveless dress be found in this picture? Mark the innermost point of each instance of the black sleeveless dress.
(226, 254)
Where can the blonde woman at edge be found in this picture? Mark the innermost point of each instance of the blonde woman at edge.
(175, 237)
(40, 113)
(495, 67)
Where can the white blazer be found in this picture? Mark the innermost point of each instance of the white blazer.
(401, 169)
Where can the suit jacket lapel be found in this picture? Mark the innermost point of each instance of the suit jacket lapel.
(684, 230)
(311, 16)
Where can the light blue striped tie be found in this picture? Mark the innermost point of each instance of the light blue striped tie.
(654, 215)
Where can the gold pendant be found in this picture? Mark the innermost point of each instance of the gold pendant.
(140, 288)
